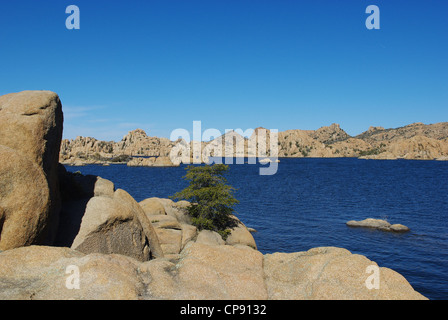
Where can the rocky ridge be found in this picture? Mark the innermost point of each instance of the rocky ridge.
(414, 141)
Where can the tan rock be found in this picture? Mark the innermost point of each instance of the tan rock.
(419, 147)
(162, 284)
(165, 162)
(104, 188)
(189, 233)
(170, 240)
(179, 211)
(241, 235)
(378, 224)
(369, 223)
(141, 162)
(152, 206)
(210, 238)
(24, 200)
(202, 272)
(164, 222)
(331, 274)
(220, 272)
(110, 227)
(399, 228)
(330, 134)
(42, 273)
(125, 198)
(31, 124)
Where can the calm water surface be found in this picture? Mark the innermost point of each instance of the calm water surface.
(308, 201)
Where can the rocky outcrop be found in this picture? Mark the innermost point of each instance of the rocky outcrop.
(87, 150)
(30, 138)
(217, 272)
(152, 162)
(415, 141)
(42, 273)
(437, 131)
(240, 234)
(331, 274)
(378, 224)
(175, 230)
(96, 218)
(330, 134)
(24, 200)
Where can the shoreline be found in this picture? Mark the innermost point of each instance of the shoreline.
(81, 162)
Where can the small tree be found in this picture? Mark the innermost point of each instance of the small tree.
(211, 198)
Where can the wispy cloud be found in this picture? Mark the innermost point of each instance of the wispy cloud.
(76, 112)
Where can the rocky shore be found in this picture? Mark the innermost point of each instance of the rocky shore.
(68, 236)
(412, 142)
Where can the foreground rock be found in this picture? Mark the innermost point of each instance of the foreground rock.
(30, 136)
(378, 224)
(175, 230)
(24, 200)
(219, 272)
(96, 218)
(39, 273)
(330, 274)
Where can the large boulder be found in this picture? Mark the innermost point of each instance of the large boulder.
(108, 226)
(220, 272)
(152, 206)
(31, 125)
(31, 122)
(24, 200)
(170, 241)
(151, 235)
(44, 273)
(240, 234)
(210, 238)
(96, 218)
(331, 274)
(164, 222)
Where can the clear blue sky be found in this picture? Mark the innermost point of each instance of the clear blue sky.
(287, 64)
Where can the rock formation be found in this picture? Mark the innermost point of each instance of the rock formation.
(330, 274)
(415, 141)
(202, 272)
(30, 138)
(378, 224)
(96, 218)
(136, 143)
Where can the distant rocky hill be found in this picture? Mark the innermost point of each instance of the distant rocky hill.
(414, 141)
(84, 150)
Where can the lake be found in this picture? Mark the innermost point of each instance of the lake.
(308, 201)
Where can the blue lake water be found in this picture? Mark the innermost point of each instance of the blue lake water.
(308, 201)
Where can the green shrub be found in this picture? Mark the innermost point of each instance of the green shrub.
(211, 198)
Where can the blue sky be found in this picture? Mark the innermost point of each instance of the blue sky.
(288, 64)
